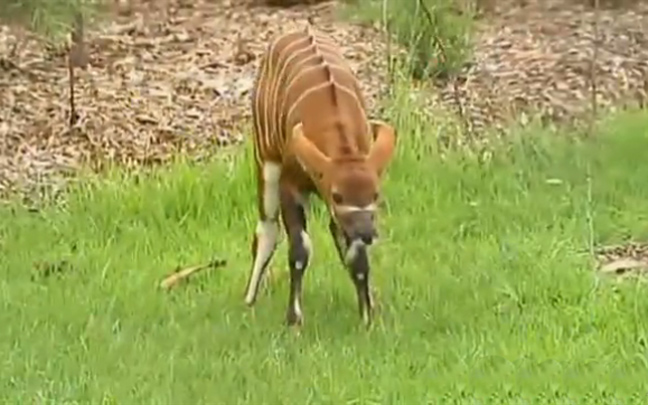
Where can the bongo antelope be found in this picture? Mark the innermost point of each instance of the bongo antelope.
(312, 135)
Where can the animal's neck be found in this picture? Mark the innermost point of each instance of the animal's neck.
(342, 139)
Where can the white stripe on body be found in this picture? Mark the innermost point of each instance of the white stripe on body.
(278, 76)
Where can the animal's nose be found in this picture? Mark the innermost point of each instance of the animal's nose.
(367, 237)
(360, 227)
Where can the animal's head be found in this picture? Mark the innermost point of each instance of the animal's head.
(350, 185)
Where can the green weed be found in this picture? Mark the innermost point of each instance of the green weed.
(436, 35)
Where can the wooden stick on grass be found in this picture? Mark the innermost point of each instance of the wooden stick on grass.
(180, 274)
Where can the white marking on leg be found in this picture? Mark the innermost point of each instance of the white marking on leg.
(267, 234)
(365, 316)
(297, 308)
(305, 239)
(271, 175)
(304, 202)
(352, 251)
(306, 243)
(267, 231)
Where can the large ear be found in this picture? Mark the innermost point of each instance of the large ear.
(311, 158)
(383, 146)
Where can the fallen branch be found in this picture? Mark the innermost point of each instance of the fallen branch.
(180, 274)
(77, 57)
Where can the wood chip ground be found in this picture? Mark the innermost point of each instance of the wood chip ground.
(174, 76)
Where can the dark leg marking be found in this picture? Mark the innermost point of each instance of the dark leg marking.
(299, 251)
(354, 258)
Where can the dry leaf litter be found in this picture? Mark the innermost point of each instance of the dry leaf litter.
(174, 77)
(166, 79)
(537, 58)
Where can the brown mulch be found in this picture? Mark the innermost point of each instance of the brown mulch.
(162, 80)
(537, 59)
(624, 261)
(174, 76)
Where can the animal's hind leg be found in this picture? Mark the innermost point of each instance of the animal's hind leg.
(265, 238)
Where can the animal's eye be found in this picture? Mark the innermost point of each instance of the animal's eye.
(337, 198)
(375, 196)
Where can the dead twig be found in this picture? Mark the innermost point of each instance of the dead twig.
(390, 62)
(461, 110)
(593, 95)
(77, 57)
(181, 274)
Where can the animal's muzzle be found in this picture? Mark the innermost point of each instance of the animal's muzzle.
(359, 226)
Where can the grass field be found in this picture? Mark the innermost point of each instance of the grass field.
(486, 290)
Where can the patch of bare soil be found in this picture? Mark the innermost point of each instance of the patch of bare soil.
(626, 261)
(538, 59)
(165, 77)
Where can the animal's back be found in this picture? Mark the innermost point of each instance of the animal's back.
(303, 78)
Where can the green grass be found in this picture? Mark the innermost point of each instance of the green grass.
(52, 19)
(485, 294)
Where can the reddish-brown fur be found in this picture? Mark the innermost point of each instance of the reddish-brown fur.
(312, 135)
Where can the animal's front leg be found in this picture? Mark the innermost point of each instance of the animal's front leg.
(266, 236)
(339, 240)
(299, 250)
(353, 255)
